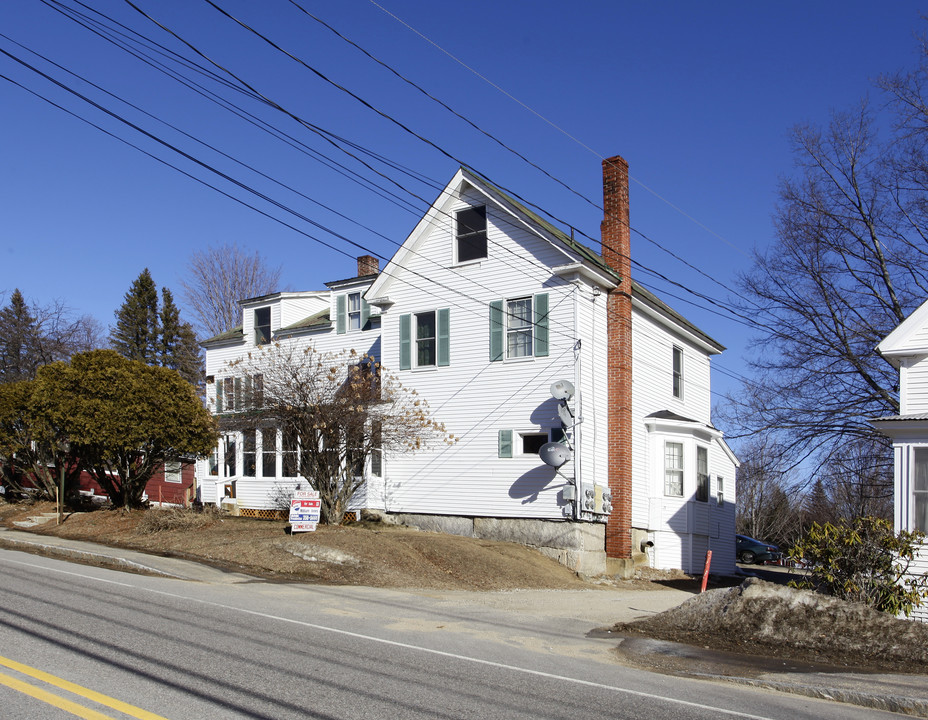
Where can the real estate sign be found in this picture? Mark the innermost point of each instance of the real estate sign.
(305, 507)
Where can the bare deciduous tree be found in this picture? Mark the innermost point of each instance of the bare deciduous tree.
(767, 503)
(344, 411)
(218, 278)
(849, 263)
(32, 335)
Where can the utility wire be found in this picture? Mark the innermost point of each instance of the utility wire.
(549, 122)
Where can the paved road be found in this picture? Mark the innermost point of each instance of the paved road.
(177, 649)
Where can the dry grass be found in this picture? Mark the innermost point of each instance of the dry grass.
(368, 553)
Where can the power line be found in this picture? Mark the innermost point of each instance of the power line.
(549, 122)
(279, 205)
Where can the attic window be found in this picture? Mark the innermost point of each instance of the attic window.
(262, 326)
(471, 233)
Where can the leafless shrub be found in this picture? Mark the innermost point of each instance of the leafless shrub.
(157, 520)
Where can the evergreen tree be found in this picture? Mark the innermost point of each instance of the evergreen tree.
(818, 506)
(18, 341)
(137, 329)
(154, 335)
(178, 348)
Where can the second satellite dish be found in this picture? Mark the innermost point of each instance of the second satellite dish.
(554, 454)
(562, 390)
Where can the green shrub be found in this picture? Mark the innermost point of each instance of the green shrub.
(862, 561)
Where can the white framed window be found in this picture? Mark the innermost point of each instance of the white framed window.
(519, 324)
(377, 448)
(249, 453)
(678, 372)
(269, 452)
(172, 471)
(720, 489)
(519, 327)
(470, 234)
(229, 455)
(425, 339)
(702, 474)
(919, 484)
(262, 326)
(673, 469)
(532, 441)
(354, 311)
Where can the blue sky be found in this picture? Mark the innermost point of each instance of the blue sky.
(698, 97)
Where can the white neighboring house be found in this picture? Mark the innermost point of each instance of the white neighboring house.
(906, 348)
(482, 309)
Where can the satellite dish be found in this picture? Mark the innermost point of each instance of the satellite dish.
(562, 390)
(554, 454)
(567, 417)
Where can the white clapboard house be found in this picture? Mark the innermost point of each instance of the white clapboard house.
(517, 336)
(906, 348)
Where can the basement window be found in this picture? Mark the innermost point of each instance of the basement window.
(532, 442)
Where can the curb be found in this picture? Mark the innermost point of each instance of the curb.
(888, 703)
(83, 556)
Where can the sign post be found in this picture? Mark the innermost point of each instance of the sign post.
(305, 508)
(705, 574)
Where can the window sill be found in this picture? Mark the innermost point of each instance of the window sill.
(468, 263)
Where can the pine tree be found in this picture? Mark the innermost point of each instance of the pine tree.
(137, 330)
(156, 335)
(18, 341)
(178, 348)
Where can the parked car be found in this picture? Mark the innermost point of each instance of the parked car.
(751, 551)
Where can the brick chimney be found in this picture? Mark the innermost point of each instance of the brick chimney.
(368, 265)
(616, 252)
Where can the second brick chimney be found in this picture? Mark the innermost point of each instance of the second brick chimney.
(616, 251)
(368, 265)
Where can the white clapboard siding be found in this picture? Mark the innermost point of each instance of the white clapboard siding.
(591, 433)
(298, 306)
(915, 387)
(473, 397)
(919, 568)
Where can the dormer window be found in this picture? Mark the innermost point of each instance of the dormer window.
(354, 311)
(262, 326)
(471, 233)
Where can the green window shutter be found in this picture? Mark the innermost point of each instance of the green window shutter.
(219, 395)
(365, 313)
(405, 342)
(496, 330)
(341, 314)
(505, 443)
(444, 337)
(541, 325)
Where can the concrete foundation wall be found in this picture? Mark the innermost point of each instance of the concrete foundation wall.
(579, 546)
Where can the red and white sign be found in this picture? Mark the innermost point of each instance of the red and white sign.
(305, 508)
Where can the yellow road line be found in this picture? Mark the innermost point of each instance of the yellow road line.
(52, 699)
(83, 692)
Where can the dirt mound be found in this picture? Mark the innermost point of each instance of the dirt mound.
(763, 618)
